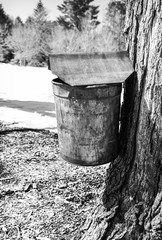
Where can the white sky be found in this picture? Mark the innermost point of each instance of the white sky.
(24, 8)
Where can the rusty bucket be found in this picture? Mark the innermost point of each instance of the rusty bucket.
(87, 102)
(88, 122)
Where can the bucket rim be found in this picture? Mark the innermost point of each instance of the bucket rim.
(59, 82)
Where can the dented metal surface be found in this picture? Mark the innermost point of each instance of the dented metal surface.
(91, 68)
(88, 122)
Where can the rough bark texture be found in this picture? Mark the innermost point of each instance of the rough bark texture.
(131, 207)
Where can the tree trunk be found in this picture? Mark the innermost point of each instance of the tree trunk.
(131, 207)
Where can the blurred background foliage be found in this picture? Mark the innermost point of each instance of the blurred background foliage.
(76, 30)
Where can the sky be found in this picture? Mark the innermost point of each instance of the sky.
(24, 8)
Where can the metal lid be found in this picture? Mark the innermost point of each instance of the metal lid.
(91, 68)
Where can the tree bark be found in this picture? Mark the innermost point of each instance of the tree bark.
(131, 207)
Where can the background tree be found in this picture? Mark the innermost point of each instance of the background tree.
(131, 207)
(5, 28)
(114, 22)
(40, 13)
(43, 32)
(29, 21)
(31, 41)
(4, 19)
(18, 22)
(23, 42)
(74, 11)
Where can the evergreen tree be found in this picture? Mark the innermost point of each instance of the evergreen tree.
(75, 11)
(29, 21)
(5, 29)
(43, 31)
(39, 19)
(18, 22)
(4, 19)
(40, 13)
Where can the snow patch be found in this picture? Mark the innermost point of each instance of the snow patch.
(26, 84)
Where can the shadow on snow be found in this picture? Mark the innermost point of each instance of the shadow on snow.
(43, 108)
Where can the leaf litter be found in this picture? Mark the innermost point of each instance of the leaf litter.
(43, 197)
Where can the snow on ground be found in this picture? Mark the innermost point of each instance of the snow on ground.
(26, 97)
(26, 83)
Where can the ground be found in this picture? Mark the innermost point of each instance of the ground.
(41, 196)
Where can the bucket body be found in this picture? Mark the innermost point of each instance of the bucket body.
(88, 122)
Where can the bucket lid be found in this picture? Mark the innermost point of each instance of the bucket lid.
(91, 68)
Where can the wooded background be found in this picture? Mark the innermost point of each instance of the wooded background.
(76, 30)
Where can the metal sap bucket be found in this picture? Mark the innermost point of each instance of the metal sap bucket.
(88, 122)
(87, 102)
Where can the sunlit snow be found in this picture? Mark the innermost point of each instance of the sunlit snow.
(26, 97)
